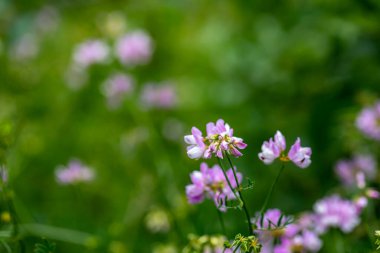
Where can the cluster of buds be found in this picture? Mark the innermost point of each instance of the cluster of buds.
(275, 148)
(219, 139)
(244, 244)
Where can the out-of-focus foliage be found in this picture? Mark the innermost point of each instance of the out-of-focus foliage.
(305, 67)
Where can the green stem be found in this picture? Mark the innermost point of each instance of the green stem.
(228, 181)
(247, 216)
(221, 222)
(263, 208)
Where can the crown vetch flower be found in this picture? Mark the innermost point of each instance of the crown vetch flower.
(274, 148)
(159, 95)
(368, 121)
(116, 88)
(333, 211)
(197, 147)
(90, 52)
(357, 171)
(134, 48)
(219, 139)
(211, 183)
(305, 241)
(75, 172)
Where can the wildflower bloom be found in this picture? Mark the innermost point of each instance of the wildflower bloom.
(355, 172)
(116, 88)
(75, 172)
(219, 139)
(368, 121)
(274, 148)
(158, 96)
(333, 211)
(90, 52)
(134, 48)
(305, 241)
(294, 237)
(271, 224)
(211, 183)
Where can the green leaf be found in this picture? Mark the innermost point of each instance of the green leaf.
(44, 247)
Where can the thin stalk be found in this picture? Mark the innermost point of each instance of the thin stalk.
(248, 217)
(228, 181)
(221, 222)
(271, 191)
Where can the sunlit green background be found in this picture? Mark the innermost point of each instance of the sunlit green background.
(303, 67)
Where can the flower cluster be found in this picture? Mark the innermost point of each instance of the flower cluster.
(291, 237)
(116, 88)
(91, 52)
(274, 148)
(134, 48)
(219, 139)
(333, 211)
(368, 121)
(211, 183)
(158, 96)
(357, 171)
(75, 172)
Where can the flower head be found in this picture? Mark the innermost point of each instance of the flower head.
(75, 172)
(219, 139)
(159, 96)
(116, 88)
(368, 121)
(90, 52)
(274, 148)
(333, 211)
(134, 48)
(211, 183)
(357, 171)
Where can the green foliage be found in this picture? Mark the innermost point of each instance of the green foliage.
(44, 247)
(245, 244)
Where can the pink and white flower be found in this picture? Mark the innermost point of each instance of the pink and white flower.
(219, 139)
(274, 148)
(211, 183)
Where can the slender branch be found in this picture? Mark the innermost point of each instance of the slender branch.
(248, 217)
(263, 208)
(228, 181)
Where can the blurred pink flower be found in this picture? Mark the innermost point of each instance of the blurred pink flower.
(74, 172)
(335, 212)
(116, 88)
(158, 96)
(368, 121)
(90, 52)
(357, 171)
(134, 48)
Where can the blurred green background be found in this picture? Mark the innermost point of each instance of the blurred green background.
(303, 67)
